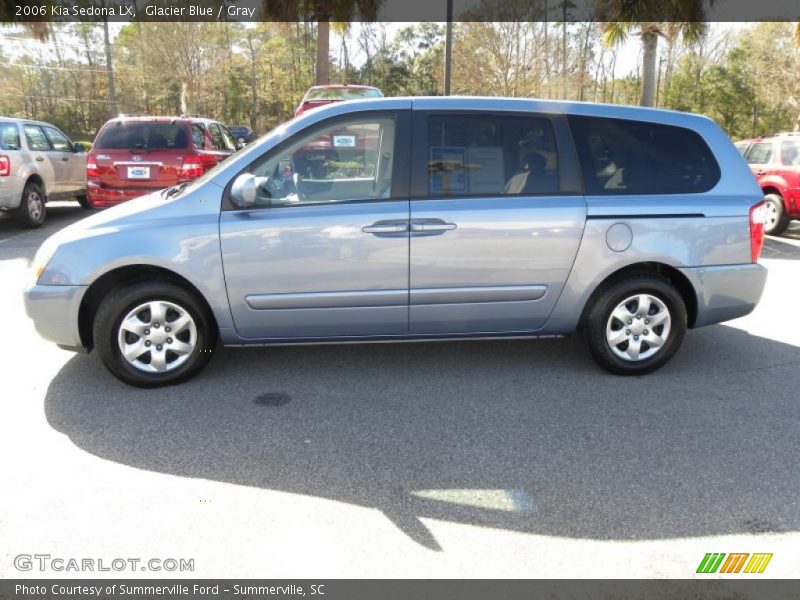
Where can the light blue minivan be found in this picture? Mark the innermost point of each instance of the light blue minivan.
(400, 219)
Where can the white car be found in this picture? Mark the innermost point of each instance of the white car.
(38, 163)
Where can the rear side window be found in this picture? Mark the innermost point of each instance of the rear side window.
(9, 136)
(790, 153)
(35, 138)
(479, 155)
(633, 157)
(147, 135)
(760, 154)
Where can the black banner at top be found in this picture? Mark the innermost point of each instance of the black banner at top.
(397, 10)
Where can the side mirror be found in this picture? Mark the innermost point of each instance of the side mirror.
(244, 189)
(78, 147)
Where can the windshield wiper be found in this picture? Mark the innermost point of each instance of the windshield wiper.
(174, 190)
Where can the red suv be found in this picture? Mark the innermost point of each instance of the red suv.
(135, 155)
(320, 95)
(775, 161)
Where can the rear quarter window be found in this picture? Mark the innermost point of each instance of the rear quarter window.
(9, 136)
(620, 157)
(146, 135)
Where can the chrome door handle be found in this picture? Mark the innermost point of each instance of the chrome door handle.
(432, 226)
(385, 228)
(65, 158)
(40, 158)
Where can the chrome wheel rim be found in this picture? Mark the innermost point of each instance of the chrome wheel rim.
(35, 206)
(638, 327)
(772, 215)
(157, 336)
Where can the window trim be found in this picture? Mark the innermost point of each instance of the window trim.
(569, 180)
(573, 117)
(399, 191)
(27, 141)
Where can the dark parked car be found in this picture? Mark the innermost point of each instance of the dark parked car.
(135, 155)
(242, 133)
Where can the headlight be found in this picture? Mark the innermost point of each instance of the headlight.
(42, 258)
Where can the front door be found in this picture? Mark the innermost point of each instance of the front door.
(496, 220)
(324, 253)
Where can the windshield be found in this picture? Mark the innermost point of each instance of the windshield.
(342, 93)
(145, 135)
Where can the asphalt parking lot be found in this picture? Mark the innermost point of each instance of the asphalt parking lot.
(462, 459)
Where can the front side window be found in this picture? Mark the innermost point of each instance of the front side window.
(621, 157)
(9, 136)
(476, 155)
(790, 153)
(230, 143)
(349, 160)
(760, 153)
(36, 138)
(216, 137)
(58, 140)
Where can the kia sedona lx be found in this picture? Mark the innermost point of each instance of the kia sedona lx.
(398, 219)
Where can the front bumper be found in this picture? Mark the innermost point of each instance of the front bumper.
(726, 292)
(54, 310)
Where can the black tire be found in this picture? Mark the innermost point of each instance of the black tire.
(83, 200)
(599, 316)
(116, 306)
(777, 220)
(32, 210)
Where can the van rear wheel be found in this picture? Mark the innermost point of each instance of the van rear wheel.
(153, 334)
(636, 325)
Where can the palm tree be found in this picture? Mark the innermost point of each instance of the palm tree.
(683, 18)
(323, 12)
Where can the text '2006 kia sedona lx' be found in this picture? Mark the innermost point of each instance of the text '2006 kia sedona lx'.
(403, 219)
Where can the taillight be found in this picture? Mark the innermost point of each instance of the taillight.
(5, 166)
(758, 221)
(196, 165)
(91, 168)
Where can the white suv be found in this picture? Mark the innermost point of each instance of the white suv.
(38, 163)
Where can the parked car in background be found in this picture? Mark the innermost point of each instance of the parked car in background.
(775, 161)
(320, 95)
(498, 218)
(135, 155)
(242, 134)
(38, 163)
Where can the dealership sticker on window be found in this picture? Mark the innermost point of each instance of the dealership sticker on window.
(344, 141)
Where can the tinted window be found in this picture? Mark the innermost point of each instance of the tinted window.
(198, 136)
(9, 136)
(790, 153)
(476, 155)
(351, 159)
(151, 135)
(230, 143)
(35, 137)
(342, 93)
(216, 137)
(760, 154)
(632, 157)
(58, 140)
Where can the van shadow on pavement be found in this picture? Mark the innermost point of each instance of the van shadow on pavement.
(706, 446)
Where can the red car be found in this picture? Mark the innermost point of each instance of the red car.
(775, 161)
(320, 95)
(136, 155)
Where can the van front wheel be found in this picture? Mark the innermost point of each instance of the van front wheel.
(636, 325)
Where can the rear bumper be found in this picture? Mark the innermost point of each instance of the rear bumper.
(54, 310)
(11, 191)
(101, 196)
(726, 292)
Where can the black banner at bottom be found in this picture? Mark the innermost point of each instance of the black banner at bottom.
(397, 589)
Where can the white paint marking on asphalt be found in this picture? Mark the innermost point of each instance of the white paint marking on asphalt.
(789, 241)
(18, 235)
(514, 500)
